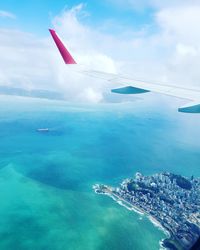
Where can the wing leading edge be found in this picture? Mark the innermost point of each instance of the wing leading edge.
(133, 86)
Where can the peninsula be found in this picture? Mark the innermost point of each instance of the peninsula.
(170, 201)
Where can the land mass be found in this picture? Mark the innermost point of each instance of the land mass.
(171, 201)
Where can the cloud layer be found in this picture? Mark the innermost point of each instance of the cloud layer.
(168, 53)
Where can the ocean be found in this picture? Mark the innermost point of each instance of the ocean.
(46, 178)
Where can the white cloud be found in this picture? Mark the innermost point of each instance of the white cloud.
(180, 36)
(24, 59)
(90, 95)
(185, 50)
(6, 14)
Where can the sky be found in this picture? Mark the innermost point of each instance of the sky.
(37, 15)
(149, 39)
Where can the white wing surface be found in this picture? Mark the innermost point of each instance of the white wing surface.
(129, 85)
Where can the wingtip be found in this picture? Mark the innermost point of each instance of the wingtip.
(68, 59)
(51, 30)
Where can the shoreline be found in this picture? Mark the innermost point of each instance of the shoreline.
(169, 201)
(137, 210)
(159, 225)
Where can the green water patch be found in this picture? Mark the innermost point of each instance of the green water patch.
(38, 216)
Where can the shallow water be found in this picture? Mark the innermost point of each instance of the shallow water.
(46, 179)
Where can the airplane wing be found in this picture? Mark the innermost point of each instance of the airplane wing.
(128, 85)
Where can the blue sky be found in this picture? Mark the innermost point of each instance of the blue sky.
(35, 15)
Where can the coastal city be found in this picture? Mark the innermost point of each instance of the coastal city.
(170, 201)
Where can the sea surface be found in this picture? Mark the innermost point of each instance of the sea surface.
(46, 178)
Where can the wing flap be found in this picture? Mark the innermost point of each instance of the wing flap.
(193, 107)
(129, 90)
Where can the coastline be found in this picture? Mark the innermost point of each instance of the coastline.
(131, 208)
(159, 225)
(137, 210)
(168, 200)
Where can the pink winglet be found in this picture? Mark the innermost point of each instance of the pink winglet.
(68, 59)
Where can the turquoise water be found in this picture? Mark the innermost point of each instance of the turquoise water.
(46, 179)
